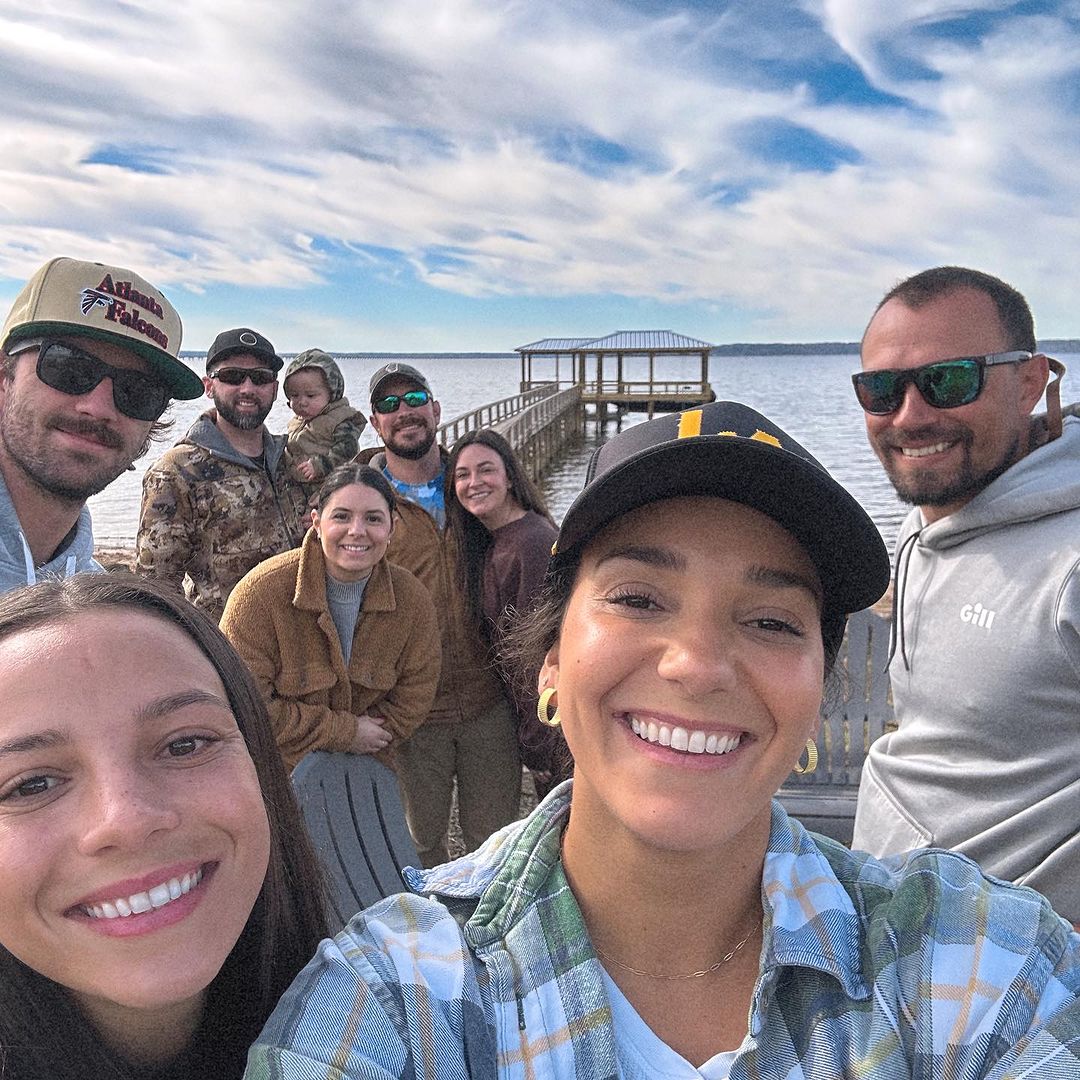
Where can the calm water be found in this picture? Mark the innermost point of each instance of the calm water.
(809, 396)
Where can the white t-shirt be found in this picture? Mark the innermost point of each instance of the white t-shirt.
(642, 1055)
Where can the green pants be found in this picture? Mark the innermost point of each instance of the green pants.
(483, 754)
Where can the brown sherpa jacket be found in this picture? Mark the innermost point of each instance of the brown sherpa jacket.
(278, 620)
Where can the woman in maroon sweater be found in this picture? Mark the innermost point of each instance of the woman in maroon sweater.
(504, 534)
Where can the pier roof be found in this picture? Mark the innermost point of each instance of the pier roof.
(554, 344)
(634, 341)
(648, 341)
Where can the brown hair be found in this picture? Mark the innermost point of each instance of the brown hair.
(42, 1032)
(350, 473)
(1012, 308)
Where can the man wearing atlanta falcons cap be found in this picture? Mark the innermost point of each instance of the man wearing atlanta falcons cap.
(88, 365)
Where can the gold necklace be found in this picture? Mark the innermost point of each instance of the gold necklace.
(689, 975)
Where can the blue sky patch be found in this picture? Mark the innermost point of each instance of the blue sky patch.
(143, 160)
(594, 155)
(971, 27)
(836, 82)
(780, 142)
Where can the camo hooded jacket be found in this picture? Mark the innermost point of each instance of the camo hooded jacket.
(329, 439)
(210, 514)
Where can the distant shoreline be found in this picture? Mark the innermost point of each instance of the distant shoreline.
(776, 348)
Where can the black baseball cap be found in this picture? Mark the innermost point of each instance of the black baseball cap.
(396, 370)
(730, 451)
(242, 340)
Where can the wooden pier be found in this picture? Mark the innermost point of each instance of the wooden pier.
(551, 410)
(603, 394)
(539, 424)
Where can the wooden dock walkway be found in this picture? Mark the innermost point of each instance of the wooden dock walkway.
(539, 424)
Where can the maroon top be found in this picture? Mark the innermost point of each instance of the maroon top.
(514, 567)
(514, 570)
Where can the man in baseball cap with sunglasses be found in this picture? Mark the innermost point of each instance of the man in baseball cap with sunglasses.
(217, 503)
(88, 365)
(986, 611)
(469, 734)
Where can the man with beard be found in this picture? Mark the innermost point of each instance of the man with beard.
(88, 364)
(217, 504)
(469, 733)
(986, 613)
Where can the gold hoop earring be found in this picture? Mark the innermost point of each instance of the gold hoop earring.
(811, 759)
(542, 714)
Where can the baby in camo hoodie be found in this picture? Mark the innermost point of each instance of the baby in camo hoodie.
(325, 430)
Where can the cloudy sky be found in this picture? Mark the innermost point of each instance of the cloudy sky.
(474, 174)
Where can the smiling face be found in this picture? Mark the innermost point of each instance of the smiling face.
(407, 432)
(689, 671)
(71, 446)
(940, 459)
(482, 486)
(132, 810)
(246, 406)
(307, 392)
(354, 530)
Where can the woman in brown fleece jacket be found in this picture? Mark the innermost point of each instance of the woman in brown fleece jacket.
(343, 645)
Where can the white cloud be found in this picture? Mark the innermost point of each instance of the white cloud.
(467, 127)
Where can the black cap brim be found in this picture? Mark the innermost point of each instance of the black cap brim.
(838, 535)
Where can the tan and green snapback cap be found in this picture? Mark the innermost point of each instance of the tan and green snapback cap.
(91, 299)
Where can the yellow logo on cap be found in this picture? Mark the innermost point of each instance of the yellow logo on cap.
(758, 436)
(764, 436)
(689, 423)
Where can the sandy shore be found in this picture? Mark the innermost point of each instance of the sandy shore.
(113, 557)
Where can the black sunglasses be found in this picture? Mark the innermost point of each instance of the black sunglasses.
(392, 402)
(235, 376)
(71, 371)
(945, 384)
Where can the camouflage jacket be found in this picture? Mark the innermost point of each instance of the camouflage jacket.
(329, 440)
(210, 514)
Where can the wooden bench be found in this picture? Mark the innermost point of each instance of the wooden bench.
(824, 800)
(353, 812)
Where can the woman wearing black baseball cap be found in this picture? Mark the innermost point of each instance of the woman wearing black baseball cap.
(660, 914)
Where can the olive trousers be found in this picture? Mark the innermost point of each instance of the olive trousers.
(482, 753)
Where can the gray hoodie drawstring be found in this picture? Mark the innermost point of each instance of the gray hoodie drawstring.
(897, 629)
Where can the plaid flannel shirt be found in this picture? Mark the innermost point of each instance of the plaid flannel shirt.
(917, 967)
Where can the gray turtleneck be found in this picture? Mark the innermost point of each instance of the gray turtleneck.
(344, 599)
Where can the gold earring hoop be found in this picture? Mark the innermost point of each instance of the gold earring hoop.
(542, 714)
(811, 759)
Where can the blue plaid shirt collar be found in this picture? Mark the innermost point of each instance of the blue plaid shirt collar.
(810, 920)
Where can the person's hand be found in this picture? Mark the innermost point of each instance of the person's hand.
(306, 470)
(371, 736)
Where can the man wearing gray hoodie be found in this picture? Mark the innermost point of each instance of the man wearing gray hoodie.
(986, 663)
(88, 364)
